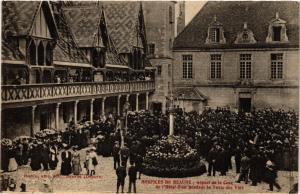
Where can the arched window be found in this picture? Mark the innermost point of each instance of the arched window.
(170, 15)
(41, 51)
(32, 53)
(102, 59)
(139, 62)
(98, 58)
(48, 55)
(135, 61)
(95, 59)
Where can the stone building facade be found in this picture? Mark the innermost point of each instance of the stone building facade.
(245, 62)
(64, 61)
(160, 30)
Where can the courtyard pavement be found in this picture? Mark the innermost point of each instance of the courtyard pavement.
(105, 181)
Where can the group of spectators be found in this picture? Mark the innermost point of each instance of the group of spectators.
(260, 142)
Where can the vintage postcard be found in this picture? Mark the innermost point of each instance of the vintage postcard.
(149, 96)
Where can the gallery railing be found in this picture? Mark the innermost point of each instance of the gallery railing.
(30, 92)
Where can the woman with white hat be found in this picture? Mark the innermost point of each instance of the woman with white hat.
(91, 161)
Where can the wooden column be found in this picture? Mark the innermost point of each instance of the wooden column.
(92, 110)
(103, 106)
(147, 100)
(137, 102)
(75, 111)
(57, 116)
(32, 120)
(118, 105)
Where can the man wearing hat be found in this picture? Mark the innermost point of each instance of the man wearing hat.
(35, 163)
(116, 155)
(124, 152)
(132, 172)
(121, 175)
(45, 156)
(211, 159)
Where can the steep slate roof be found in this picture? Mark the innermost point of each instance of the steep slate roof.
(83, 21)
(18, 16)
(232, 14)
(67, 49)
(87, 20)
(10, 52)
(122, 21)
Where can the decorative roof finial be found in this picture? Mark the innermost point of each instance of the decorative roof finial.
(277, 15)
(245, 25)
(215, 18)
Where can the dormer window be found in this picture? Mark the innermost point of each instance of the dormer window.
(276, 33)
(98, 58)
(277, 30)
(245, 36)
(40, 52)
(215, 33)
(41, 42)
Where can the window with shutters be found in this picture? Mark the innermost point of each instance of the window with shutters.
(215, 34)
(277, 31)
(187, 66)
(215, 66)
(277, 66)
(245, 66)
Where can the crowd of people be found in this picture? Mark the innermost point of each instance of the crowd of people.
(260, 142)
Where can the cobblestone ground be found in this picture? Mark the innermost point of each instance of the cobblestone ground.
(105, 182)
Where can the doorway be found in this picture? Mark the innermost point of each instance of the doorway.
(157, 107)
(245, 104)
(45, 119)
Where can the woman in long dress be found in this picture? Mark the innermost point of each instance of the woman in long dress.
(91, 162)
(12, 164)
(35, 163)
(76, 167)
(66, 167)
(53, 157)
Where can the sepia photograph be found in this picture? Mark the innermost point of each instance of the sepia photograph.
(149, 97)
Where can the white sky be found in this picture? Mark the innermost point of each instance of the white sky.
(191, 9)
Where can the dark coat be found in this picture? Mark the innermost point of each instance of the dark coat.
(36, 159)
(66, 167)
(132, 172)
(121, 172)
(45, 154)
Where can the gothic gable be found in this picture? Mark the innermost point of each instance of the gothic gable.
(40, 26)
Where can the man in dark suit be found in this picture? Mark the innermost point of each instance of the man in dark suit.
(132, 172)
(211, 159)
(121, 174)
(124, 152)
(45, 156)
(116, 155)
